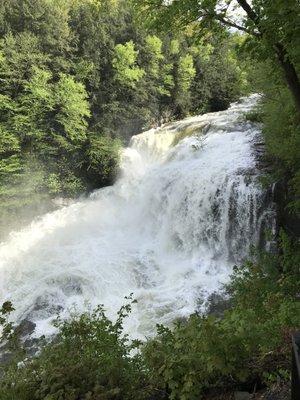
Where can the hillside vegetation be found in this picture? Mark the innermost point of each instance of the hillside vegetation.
(78, 79)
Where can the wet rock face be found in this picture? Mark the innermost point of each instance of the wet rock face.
(23, 331)
(242, 396)
(30, 344)
(25, 328)
(217, 304)
(266, 209)
(286, 219)
(5, 358)
(279, 193)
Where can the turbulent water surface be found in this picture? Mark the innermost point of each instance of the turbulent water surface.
(186, 208)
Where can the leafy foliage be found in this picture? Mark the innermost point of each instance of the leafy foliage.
(247, 345)
(124, 64)
(92, 358)
(77, 80)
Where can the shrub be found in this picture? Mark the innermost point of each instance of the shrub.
(251, 343)
(89, 359)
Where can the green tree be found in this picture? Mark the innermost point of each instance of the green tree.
(48, 21)
(159, 70)
(154, 48)
(72, 108)
(126, 71)
(19, 54)
(184, 79)
(29, 121)
(271, 25)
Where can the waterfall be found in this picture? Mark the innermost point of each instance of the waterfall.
(186, 207)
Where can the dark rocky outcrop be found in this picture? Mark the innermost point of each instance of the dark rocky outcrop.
(217, 304)
(287, 219)
(25, 328)
(278, 193)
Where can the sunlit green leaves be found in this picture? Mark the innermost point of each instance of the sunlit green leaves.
(126, 70)
(73, 108)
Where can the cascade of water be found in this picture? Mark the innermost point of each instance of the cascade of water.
(186, 207)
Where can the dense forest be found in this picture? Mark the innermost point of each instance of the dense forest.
(78, 79)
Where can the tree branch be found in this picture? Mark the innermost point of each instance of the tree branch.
(234, 25)
(228, 22)
(249, 11)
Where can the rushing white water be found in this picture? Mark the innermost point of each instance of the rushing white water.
(169, 230)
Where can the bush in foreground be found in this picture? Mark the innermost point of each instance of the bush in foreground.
(90, 359)
(248, 347)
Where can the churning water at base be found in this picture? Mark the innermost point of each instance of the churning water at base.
(185, 209)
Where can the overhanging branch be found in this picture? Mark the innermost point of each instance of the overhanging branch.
(234, 25)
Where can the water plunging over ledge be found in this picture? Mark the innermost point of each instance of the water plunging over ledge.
(185, 209)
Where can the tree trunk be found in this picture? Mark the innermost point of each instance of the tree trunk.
(249, 11)
(289, 70)
(290, 74)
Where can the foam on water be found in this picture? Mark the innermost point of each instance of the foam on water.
(169, 230)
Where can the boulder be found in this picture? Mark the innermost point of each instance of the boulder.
(242, 396)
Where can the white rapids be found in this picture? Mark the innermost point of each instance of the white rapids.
(169, 230)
